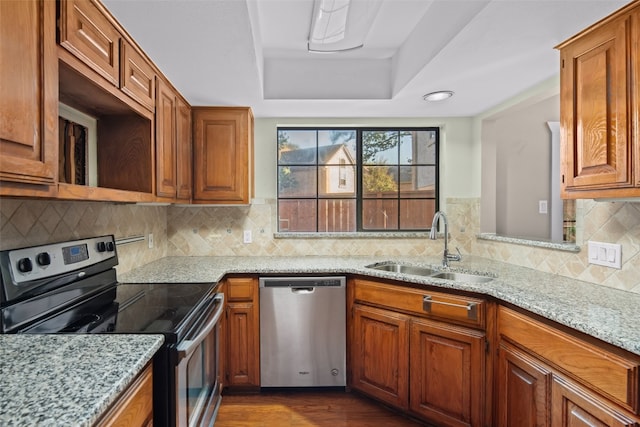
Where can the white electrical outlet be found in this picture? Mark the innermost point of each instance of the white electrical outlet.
(606, 254)
(150, 240)
(246, 236)
(542, 206)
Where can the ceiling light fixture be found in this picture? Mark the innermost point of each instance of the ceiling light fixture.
(438, 95)
(340, 25)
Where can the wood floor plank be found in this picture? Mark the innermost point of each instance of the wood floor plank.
(306, 409)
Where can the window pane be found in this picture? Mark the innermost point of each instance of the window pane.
(337, 181)
(380, 148)
(380, 214)
(297, 181)
(297, 147)
(418, 181)
(337, 215)
(416, 214)
(380, 181)
(297, 215)
(337, 145)
(349, 180)
(418, 147)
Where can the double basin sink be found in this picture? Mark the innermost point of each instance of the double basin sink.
(395, 267)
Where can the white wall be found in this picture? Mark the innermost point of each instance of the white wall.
(459, 156)
(515, 146)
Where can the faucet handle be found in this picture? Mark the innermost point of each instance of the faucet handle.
(455, 257)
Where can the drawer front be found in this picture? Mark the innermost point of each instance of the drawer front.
(87, 33)
(241, 289)
(137, 76)
(607, 372)
(436, 305)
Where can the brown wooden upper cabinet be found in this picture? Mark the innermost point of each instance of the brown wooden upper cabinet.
(86, 32)
(173, 144)
(223, 155)
(600, 108)
(91, 35)
(137, 76)
(106, 76)
(28, 99)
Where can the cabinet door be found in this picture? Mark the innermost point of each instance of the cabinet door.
(28, 93)
(523, 389)
(447, 373)
(184, 162)
(575, 407)
(223, 141)
(596, 129)
(165, 141)
(243, 361)
(379, 354)
(137, 76)
(86, 32)
(243, 333)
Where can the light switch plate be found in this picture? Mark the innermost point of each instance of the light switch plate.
(606, 254)
(246, 236)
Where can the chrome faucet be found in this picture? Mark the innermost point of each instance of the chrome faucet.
(433, 235)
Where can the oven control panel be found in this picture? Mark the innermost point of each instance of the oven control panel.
(41, 262)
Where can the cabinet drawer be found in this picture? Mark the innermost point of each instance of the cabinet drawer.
(86, 32)
(137, 76)
(607, 372)
(437, 305)
(241, 289)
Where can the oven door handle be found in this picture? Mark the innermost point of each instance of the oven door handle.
(186, 347)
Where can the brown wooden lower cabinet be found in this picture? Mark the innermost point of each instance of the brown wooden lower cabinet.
(447, 373)
(552, 377)
(524, 386)
(380, 349)
(407, 357)
(573, 406)
(134, 408)
(242, 361)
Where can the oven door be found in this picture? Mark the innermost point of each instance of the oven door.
(198, 389)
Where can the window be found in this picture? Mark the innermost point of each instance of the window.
(357, 180)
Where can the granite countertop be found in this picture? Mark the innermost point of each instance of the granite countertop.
(67, 380)
(605, 313)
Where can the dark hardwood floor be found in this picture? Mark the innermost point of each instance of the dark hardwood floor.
(306, 409)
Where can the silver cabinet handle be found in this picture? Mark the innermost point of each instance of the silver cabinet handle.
(471, 307)
(186, 347)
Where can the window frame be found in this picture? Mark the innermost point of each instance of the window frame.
(359, 167)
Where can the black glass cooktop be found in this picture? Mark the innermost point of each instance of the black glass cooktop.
(158, 308)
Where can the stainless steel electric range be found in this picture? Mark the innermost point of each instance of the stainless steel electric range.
(71, 287)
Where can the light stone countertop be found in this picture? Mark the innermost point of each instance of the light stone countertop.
(67, 380)
(608, 314)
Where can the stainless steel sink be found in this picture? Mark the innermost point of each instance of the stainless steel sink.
(397, 267)
(462, 277)
(403, 268)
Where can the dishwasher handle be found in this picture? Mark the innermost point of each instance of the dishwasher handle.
(302, 290)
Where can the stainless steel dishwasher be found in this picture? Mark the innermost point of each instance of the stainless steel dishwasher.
(302, 331)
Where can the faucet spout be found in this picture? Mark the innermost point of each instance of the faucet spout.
(433, 235)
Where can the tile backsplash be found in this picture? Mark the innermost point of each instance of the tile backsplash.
(218, 231)
(35, 222)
